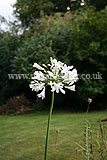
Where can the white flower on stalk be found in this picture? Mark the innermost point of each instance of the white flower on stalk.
(56, 74)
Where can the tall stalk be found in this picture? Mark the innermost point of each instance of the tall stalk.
(48, 127)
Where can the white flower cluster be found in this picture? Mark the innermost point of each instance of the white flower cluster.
(57, 75)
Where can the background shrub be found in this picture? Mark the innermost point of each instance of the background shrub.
(8, 45)
(16, 105)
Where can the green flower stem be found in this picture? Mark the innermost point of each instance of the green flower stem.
(48, 126)
(88, 108)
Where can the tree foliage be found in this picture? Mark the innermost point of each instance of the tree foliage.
(29, 12)
(98, 4)
(77, 39)
(2, 21)
(8, 45)
(51, 38)
(88, 51)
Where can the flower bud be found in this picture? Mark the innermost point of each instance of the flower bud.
(103, 126)
(89, 100)
(57, 130)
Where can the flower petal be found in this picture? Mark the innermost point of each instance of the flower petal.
(62, 91)
(72, 88)
(38, 66)
(42, 94)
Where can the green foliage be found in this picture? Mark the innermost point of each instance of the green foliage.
(98, 4)
(37, 48)
(94, 148)
(87, 142)
(8, 44)
(87, 148)
(29, 12)
(51, 39)
(101, 141)
(88, 52)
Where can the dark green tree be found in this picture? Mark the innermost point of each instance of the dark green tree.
(8, 45)
(98, 4)
(30, 11)
(88, 51)
(51, 39)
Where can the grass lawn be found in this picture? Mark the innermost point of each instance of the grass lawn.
(22, 137)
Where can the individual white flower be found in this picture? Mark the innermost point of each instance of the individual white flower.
(38, 66)
(36, 86)
(57, 87)
(38, 75)
(42, 94)
(66, 68)
(72, 88)
(72, 75)
(62, 90)
(55, 65)
(50, 73)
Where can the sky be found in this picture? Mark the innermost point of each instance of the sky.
(6, 9)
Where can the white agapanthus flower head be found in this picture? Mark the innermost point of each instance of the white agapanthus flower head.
(56, 74)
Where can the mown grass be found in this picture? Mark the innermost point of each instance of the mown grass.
(22, 137)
